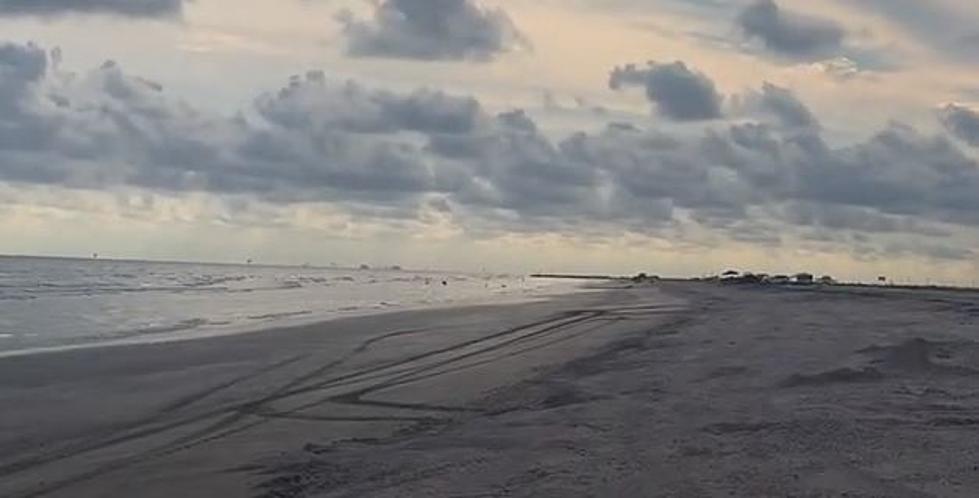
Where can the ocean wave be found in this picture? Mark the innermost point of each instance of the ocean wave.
(87, 303)
(16, 298)
(46, 289)
(180, 326)
(285, 314)
(313, 280)
(212, 280)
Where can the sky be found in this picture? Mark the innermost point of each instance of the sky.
(674, 137)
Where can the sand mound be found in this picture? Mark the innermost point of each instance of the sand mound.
(914, 354)
(919, 356)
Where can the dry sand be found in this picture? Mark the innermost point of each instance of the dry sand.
(683, 390)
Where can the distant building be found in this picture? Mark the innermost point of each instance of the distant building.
(804, 278)
(731, 276)
(827, 280)
(779, 280)
(644, 278)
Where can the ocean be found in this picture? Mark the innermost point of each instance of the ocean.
(54, 303)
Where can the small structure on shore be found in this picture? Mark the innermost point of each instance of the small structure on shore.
(643, 278)
(804, 278)
(752, 278)
(801, 278)
(743, 278)
(730, 276)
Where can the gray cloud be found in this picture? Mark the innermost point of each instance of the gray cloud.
(393, 154)
(312, 102)
(679, 93)
(897, 171)
(950, 29)
(790, 33)
(780, 103)
(21, 66)
(841, 217)
(961, 122)
(128, 8)
(432, 30)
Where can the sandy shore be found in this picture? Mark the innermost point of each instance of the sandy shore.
(684, 390)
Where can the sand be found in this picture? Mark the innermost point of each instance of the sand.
(677, 390)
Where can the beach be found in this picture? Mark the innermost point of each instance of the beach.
(678, 389)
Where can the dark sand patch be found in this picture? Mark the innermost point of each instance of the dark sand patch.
(727, 371)
(921, 356)
(838, 376)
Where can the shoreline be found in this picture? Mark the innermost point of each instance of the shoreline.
(294, 321)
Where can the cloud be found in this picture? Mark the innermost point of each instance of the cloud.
(841, 68)
(791, 34)
(20, 67)
(313, 102)
(780, 103)
(961, 122)
(349, 141)
(399, 154)
(432, 30)
(311, 140)
(128, 8)
(842, 217)
(679, 93)
(949, 29)
(898, 171)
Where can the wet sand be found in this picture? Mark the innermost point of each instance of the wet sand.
(680, 390)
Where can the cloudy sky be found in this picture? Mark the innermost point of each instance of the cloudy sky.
(678, 137)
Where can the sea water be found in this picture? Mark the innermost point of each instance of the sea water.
(52, 303)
